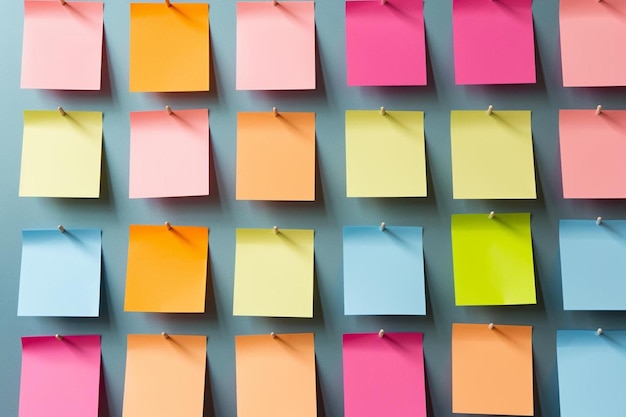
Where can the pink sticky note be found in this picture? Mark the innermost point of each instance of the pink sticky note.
(276, 45)
(169, 154)
(384, 376)
(493, 42)
(60, 378)
(385, 44)
(62, 47)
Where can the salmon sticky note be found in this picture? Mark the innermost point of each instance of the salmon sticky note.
(169, 154)
(276, 45)
(164, 376)
(492, 155)
(276, 156)
(167, 269)
(62, 45)
(169, 47)
(60, 377)
(273, 273)
(276, 376)
(385, 155)
(493, 259)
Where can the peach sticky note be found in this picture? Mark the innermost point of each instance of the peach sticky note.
(169, 47)
(61, 155)
(164, 376)
(167, 269)
(276, 156)
(492, 369)
(62, 46)
(276, 45)
(276, 375)
(274, 273)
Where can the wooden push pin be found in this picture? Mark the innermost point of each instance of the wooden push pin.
(383, 226)
(58, 337)
(381, 333)
(382, 109)
(168, 225)
(165, 335)
(598, 110)
(599, 221)
(275, 111)
(599, 331)
(169, 110)
(60, 109)
(490, 110)
(275, 230)
(61, 228)
(491, 326)
(168, 3)
(492, 214)
(275, 2)
(274, 336)
(63, 2)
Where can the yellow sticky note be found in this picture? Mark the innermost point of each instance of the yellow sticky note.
(274, 273)
(492, 155)
(61, 155)
(169, 47)
(493, 259)
(385, 154)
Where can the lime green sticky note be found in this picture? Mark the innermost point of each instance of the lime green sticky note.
(493, 259)
(492, 155)
(385, 154)
(273, 273)
(61, 154)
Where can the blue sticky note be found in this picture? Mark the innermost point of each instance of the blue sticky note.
(383, 271)
(592, 264)
(60, 273)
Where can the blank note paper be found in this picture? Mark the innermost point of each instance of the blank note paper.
(492, 155)
(493, 42)
(493, 259)
(165, 376)
(276, 156)
(383, 376)
(274, 273)
(385, 155)
(167, 269)
(492, 369)
(169, 47)
(385, 44)
(61, 155)
(275, 376)
(60, 377)
(383, 271)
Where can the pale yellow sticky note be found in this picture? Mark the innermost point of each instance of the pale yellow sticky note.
(492, 155)
(385, 154)
(61, 155)
(274, 273)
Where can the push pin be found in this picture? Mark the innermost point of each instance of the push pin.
(383, 226)
(492, 214)
(599, 108)
(168, 3)
(274, 109)
(599, 221)
(168, 225)
(60, 109)
(383, 2)
(61, 228)
(63, 2)
(490, 110)
(381, 333)
(275, 2)
(169, 110)
(275, 230)
(382, 109)
(273, 335)
(165, 335)
(599, 331)
(58, 337)
(491, 326)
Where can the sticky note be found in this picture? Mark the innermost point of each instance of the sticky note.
(61, 155)
(385, 155)
(592, 150)
(60, 377)
(275, 45)
(493, 259)
(169, 154)
(164, 376)
(62, 45)
(492, 369)
(167, 269)
(276, 156)
(383, 376)
(169, 47)
(385, 46)
(493, 42)
(273, 273)
(275, 376)
(492, 155)
(60, 273)
(383, 271)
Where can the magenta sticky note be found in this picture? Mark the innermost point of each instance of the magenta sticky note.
(385, 43)
(493, 42)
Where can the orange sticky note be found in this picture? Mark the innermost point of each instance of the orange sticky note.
(164, 376)
(276, 376)
(167, 269)
(492, 369)
(276, 156)
(169, 47)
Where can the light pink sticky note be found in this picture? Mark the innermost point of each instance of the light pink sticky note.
(384, 376)
(276, 45)
(60, 378)
(385, 44)
(169, 154)
(493, 42)
(62, 47)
